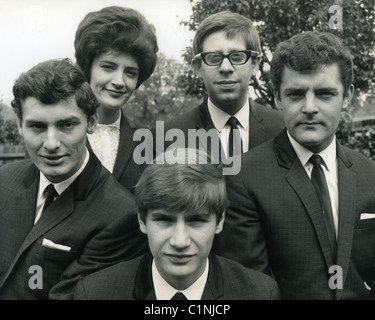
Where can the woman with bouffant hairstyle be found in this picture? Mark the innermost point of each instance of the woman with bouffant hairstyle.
(117, 49)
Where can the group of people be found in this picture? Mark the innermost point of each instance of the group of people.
(80, 219)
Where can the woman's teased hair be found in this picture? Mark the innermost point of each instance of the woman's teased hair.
(118, 29)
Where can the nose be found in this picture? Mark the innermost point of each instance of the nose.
(51, 141)
(118, 79)
(310, 104)
(226, 66)
(181, 236)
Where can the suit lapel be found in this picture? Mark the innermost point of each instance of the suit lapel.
(301, 184)
(58, 210)
(63, 206)
(26, 205)
(21, 220)
(143, 284)
(204, 121)
(126, 147)
(214, 288)
(347, 208)
(257, 132)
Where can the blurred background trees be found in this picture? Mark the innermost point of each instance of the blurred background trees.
(174, 89)
(278, 20)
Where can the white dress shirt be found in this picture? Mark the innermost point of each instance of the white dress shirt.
(220, 118)
(105, 142)
(329, 156)
(164, 291)
(60, 187)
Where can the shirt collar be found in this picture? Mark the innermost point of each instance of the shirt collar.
(61, 186)
(220, 118)
(303, 154)
(164, 291)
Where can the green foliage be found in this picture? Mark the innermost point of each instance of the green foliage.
(8, 126)
(9, 132)
(278, 20)
(160, 97)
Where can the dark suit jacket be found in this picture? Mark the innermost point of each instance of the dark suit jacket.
(264, 124)
(274, 220)
(125, 170)
(94, 216)
(132, 280)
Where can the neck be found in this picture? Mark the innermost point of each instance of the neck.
(108, 116)
(230, 107)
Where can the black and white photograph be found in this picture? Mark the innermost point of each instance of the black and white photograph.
(187, 150)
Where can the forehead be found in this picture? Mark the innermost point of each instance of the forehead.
(118, 57)
(325, 76)
(218, 41)
(34, 109)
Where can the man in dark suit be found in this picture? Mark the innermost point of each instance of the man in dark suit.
(311, 222)
(85, 220)
(180, 208)
(227, 53)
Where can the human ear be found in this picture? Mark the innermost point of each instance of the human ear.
(196, 65)
(220, 225)
(348, 96)
(277, 100)
(142, 225)
(255, 66)
(93, 121)
(19, 126)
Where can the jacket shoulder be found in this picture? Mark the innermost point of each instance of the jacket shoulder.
(268, 114)
(13, 173)
(184, 121)
(112, 283)
(246, 283)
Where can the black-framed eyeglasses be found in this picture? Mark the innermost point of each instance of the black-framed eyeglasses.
(235, 57)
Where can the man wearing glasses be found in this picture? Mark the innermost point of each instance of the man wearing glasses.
(227, 53)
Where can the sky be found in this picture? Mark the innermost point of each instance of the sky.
(32, 31)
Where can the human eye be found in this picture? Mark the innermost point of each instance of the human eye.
(36, 126)
(161, 218)
(107, 67)
(295, 94)
(198, 218)
(67, 125)
(214, 57)
(132, 73)
(325, 94)
(238, 57)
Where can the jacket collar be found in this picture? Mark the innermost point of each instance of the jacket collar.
(126, 147)
(144, 288)
(82, 184)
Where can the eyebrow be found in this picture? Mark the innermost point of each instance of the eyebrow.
(288, 90)
(327, 89)
(71, 118)
(116, 64)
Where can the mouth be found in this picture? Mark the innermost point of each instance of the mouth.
(53, 159)
(179, 258)
(310, 123)
(226, 82)
(116, 92)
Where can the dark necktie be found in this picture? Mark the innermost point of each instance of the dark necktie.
(319, 181)
(179, 296)
(234, 148)
(50, 193)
